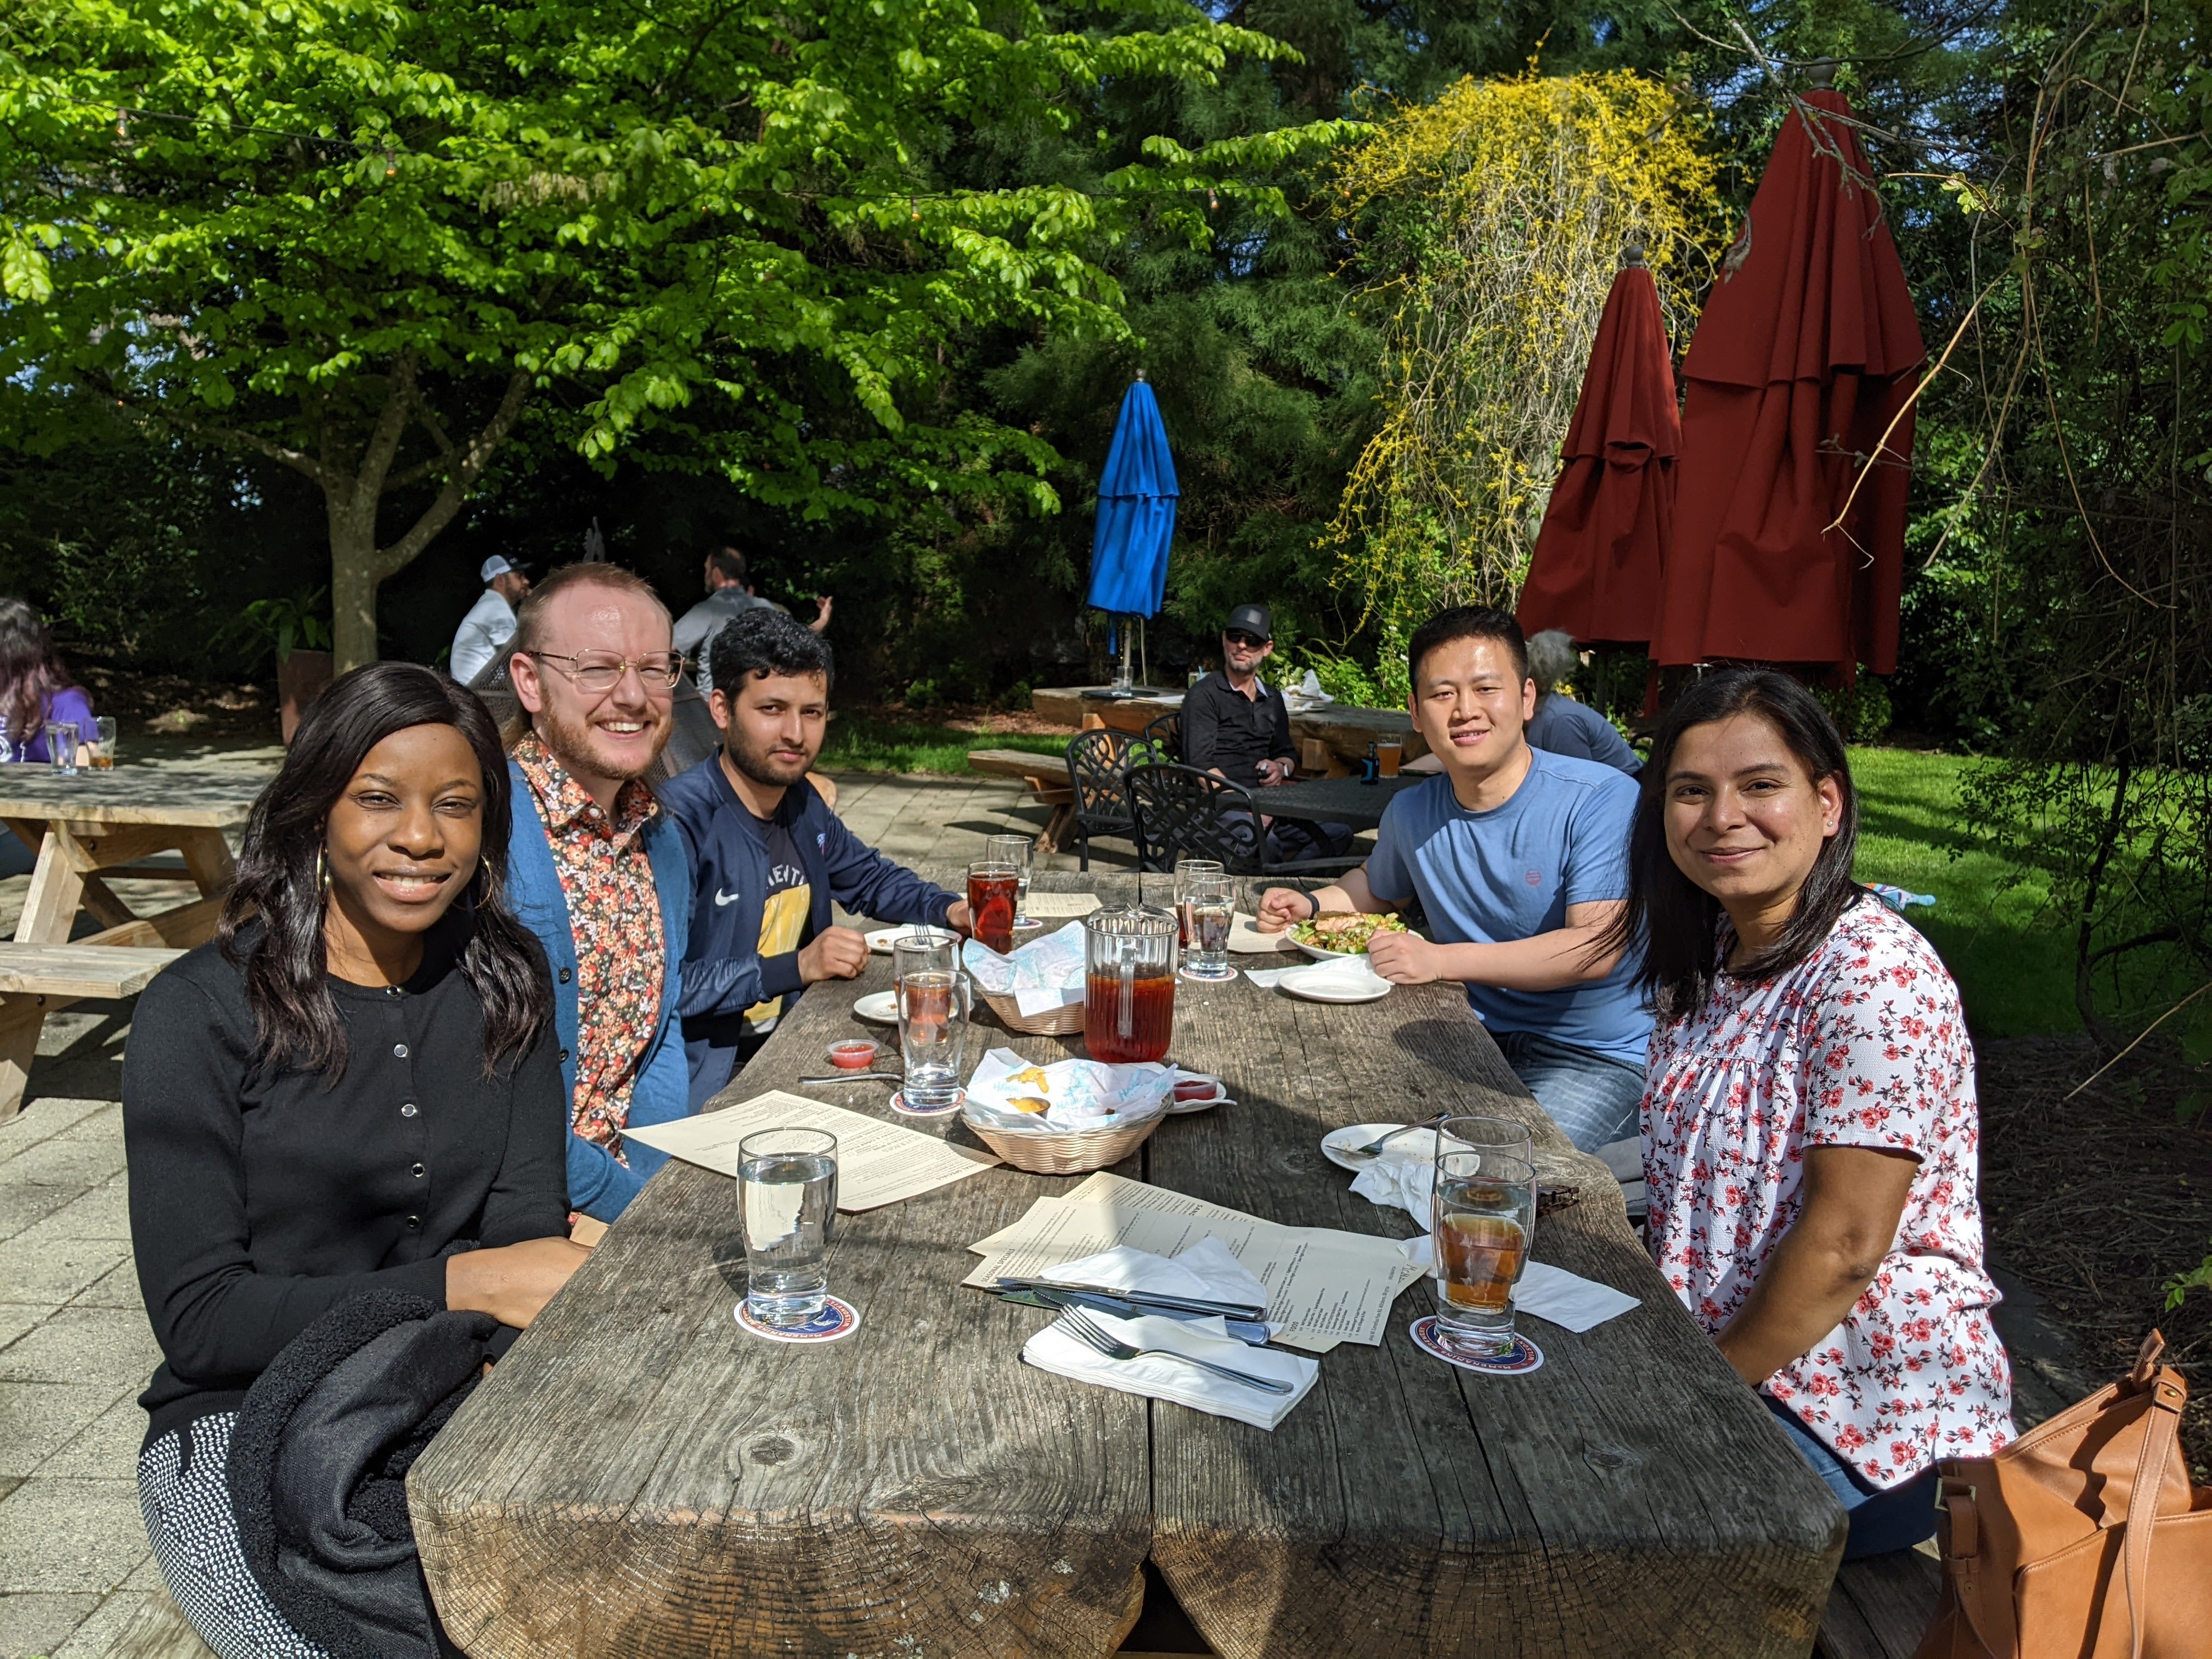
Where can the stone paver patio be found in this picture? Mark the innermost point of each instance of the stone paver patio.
(74, 1347)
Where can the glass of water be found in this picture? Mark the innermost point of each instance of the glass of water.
(1482, 1217)
(1020, 851)
(787, 1193)
(103, 743)
(61, 747)
(932, 996)
(1209, 907)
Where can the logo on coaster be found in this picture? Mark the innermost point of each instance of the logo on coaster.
(836, 1319)
(1523, 1356)
(899, 1105)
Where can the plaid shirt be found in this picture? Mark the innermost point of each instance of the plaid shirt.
(614, 910)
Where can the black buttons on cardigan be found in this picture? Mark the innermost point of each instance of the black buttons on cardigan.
(417, 1171)
(400, 1050)
(413, 1224)
(564, 976)
(564, 1056)
(409, 1110)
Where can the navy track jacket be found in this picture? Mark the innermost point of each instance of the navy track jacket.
(724, 973)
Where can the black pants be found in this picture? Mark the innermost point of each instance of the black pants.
(1291, 838)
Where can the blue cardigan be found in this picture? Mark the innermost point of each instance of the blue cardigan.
(598, 1184)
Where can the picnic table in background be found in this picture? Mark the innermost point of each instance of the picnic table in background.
(1334, 801)
(640, 1476)
(1047, 777)
(78, 827)
(1331, 739)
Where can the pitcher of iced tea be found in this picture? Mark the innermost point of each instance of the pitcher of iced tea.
(1129, 1000)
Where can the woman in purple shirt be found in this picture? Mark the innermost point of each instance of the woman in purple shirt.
(34, 687)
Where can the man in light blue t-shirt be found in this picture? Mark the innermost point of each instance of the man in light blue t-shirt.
(1520, 859)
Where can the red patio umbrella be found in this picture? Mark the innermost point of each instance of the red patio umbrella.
(1595, 571)
(1807, 349)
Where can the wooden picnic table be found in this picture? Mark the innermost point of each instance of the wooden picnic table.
(1334, 801)
(640, 1477)
(1341, 731)
(79, 826)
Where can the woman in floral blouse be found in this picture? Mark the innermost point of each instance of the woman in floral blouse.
(1809, 1121)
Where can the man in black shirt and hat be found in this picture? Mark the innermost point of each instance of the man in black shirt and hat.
(1237, 726)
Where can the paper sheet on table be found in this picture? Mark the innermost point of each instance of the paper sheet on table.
(1052, 906)
(1246, 939)
(1324, 1286)
(878, 1162)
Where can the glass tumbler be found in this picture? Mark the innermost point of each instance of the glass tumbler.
(61, 747)
(1187, 870)
(103, 744)
(1210, 908)
(1482, 1217)
(786, 1196)
(1020, 851)
(994, 892)
(933, 995)
(1128, 985)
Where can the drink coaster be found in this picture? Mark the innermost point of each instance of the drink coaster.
(837, 1318)
(1205, 979)
(1521, 1358)
(899, 1105)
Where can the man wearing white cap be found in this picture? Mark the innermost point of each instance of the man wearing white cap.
(490, 622)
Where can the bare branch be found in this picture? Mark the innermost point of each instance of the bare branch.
(464, 470)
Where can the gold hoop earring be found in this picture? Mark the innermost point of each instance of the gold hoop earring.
(323, 872)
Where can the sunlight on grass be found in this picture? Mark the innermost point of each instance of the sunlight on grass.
(863, 743)
(2013, 959)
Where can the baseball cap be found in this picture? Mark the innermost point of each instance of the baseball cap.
(499, 565)
(1251, 619)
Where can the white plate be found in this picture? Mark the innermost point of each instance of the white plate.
(1204, 1102)
(1320, 955)
(880, 1008)
(1325, 993)
(1422, 1143)
(880, 941)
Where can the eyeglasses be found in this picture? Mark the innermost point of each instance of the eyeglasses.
(1237, 636)
(602, 670)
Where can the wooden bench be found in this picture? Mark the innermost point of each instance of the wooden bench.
(38, 980)
(1880, 1608)
(1047, 777)
(160, 1630)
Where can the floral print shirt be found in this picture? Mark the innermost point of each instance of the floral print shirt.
(1862, 1044)
(614, 911)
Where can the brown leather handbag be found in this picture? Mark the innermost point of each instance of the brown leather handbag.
(2083, 1539)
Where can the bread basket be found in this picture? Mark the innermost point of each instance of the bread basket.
(1076, 1152)
(1064, 1021)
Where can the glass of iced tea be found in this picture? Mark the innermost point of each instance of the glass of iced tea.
(1482, 1216)
(1020, 851)
(1129, 1000)
(994, 895)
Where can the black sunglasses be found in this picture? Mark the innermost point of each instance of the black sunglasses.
(1238, 636)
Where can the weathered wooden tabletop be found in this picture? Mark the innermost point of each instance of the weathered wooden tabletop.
(209, 798)
(640, 1478)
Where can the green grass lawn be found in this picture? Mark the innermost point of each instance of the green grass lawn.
(2012, 961)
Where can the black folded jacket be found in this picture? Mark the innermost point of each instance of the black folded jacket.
(319, 1467)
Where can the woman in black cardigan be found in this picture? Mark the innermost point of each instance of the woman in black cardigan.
(354, 1088)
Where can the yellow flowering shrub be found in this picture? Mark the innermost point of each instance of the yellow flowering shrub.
(1488, 226)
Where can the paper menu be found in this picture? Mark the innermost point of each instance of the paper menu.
(878, 1162)
(1052, 906)
(1324, 1286)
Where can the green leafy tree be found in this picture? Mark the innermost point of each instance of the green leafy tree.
(363, 239)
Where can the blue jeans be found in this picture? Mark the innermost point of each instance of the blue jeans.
(1882, 1520)
(1591, 1095)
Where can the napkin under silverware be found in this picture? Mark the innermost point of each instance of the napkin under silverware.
(1158, 1377)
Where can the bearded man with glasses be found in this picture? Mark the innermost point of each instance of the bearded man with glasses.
(598, 870)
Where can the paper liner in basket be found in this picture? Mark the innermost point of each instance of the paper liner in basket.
(1076, 1095)
(1043, 974)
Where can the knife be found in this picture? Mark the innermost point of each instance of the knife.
(1251, 1331)
(1145, 1299)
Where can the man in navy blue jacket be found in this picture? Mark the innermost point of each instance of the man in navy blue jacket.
(767, 857)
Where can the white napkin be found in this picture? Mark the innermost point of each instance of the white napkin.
(1055, 1349)
(1340, 976)
(1546, 1292)
(1405, 1181)
(1246, 939)
(1207, 1272)
(1078, 1094)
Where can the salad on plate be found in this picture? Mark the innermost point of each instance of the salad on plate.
(1344, 933)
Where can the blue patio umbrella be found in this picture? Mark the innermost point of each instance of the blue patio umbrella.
(1136, 511)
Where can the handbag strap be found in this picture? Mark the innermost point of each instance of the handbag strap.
(2166, 1394)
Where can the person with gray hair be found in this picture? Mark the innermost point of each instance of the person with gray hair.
(1562, 724)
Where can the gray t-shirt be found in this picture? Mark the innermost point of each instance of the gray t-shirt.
(697, 628)
(1510, 873)
(1567, 727)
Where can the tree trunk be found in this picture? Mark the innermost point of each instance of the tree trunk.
(355, 574)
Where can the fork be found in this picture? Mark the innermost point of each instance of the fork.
(1374, 1148)
(1094, 1336)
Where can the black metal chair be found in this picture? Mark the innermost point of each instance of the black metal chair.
(1165, 734)
(1182, 812)
(1098, 765)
